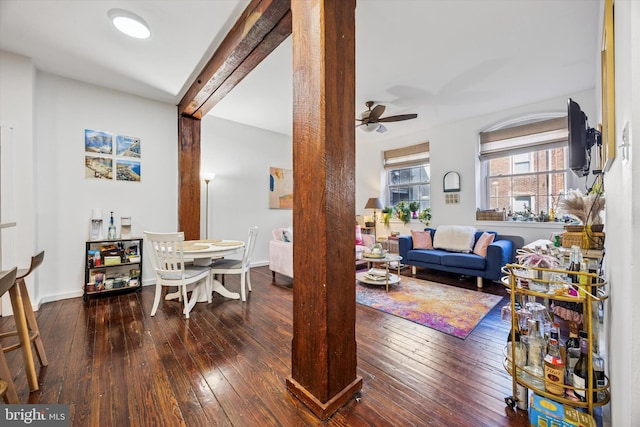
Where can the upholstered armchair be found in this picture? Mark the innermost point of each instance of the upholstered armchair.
(281, 250)
(281, 253)
(363, 241)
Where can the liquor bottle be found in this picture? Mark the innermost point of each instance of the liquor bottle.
(522, 392)
(581, 370)
(554, 365)
(574, 263)
(112, 228)
(598, 373)
(572, 347)
(536, 352)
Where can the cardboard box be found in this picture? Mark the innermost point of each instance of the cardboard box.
(112, 260)
(545, 412)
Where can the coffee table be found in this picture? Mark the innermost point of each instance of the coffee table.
(381, 276)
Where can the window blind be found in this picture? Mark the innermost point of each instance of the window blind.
(541, 135)
(407, 156)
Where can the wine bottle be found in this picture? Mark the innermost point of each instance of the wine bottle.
(112, 228)
(581, 370)
(554, 365)
(572, 347)
(574, 263)
(598, 373)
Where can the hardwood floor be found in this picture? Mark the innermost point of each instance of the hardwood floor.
(226, 365)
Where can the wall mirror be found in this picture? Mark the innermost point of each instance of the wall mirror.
(451, 182)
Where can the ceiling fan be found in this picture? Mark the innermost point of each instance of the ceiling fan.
(371, 120)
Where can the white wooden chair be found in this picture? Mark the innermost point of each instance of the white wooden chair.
(239, 266)
(167, 259)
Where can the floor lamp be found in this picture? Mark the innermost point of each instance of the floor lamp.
(374, 203)
(207, 179)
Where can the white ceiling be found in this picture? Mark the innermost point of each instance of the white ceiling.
(445, 60)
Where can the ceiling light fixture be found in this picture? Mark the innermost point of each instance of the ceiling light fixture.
(129, 23)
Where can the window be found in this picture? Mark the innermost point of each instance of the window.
(525, 166)
(408, 175)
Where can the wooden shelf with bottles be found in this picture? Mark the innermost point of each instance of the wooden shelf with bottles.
(112, 266)
(552, 284)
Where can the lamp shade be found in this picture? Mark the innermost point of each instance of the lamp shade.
(374, 203)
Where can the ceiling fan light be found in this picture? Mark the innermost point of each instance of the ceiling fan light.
(370, 127)
(129, 23)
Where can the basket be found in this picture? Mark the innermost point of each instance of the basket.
(490, 215)
(574, 228)
(570, 238)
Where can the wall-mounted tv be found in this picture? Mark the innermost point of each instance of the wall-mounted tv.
(581, 139)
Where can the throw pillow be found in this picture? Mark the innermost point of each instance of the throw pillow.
(287, 235)
(421, 240)
(358, 235)
(483, 242)
(454, 238)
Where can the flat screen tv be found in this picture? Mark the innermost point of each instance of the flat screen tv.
(579, 146)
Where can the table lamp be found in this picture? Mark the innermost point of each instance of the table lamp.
(374, 203)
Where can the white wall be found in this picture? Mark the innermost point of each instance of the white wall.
(65, 108)
(241, 156)
(17, 89)
(454, 147)
(622, 186)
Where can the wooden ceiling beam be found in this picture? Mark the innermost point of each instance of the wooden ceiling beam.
(261, 28)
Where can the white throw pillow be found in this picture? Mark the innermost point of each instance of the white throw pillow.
(287, 235)
(455, 238)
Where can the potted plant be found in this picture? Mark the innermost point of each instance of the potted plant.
(386, 215)
(425, 216)
(403, 212)
(413, 207)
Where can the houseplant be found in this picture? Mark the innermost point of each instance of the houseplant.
(386, 215)
(403, 212)
(425, 216)
(413, 207)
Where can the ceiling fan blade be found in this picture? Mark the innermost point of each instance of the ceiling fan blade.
(375, 114)
(398, 118)
(381, 129)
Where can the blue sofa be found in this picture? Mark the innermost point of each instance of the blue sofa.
(499, 253)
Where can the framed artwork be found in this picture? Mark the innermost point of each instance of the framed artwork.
(111, 158)
(128, 170)
(280, 188)
(127, 146)
(98, 142)
(98, 167)
(608, 89)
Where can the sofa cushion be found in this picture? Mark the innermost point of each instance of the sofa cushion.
(456, 238)
(421, 240)
(460, 260)
(358, 235)
(431, 256)
(482, 243)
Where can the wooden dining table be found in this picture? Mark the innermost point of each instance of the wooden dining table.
(203, 252)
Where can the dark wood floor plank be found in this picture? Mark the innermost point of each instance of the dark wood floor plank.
(227, 364)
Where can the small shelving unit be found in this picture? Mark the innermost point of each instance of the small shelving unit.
(590, 293)
(112, 266)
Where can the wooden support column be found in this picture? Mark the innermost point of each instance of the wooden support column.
(324, 359)
(189, 177)
(260, 29)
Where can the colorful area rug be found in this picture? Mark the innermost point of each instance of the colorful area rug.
(454, 311)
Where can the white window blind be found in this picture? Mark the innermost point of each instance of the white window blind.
(407, 156)
(541, 135)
